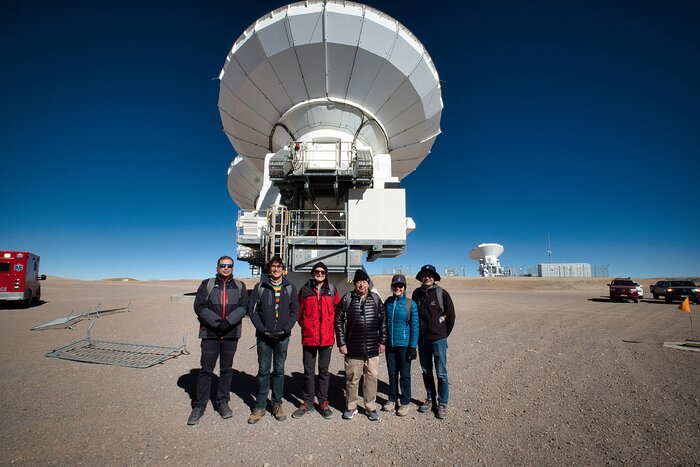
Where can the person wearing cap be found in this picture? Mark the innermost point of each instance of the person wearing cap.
(402, 338)
(437, 318)
(220, 306)
(317, 301)
(360, 331)
(273, 309)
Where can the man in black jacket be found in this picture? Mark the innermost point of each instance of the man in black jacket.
(437, 318)
(273, 308)
(220, 306)
(361, 333)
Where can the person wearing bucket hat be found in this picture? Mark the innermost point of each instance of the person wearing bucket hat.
(402, 338)
(317, 301)
(437, 319)
(360, 333)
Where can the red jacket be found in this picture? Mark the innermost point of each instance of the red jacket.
(317, 315)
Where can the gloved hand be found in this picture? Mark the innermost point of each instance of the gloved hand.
(411, 354)
(223, 327)
(274, 334)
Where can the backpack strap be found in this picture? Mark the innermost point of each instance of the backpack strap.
(347, 300)
(409, 304)
(440, 297)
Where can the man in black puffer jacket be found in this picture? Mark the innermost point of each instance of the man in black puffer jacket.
(361, 333)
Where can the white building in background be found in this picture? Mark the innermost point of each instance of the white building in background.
(564, 270)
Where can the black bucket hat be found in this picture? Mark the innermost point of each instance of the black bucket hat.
(427, 267)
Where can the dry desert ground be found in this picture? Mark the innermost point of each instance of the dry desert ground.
(542, 372)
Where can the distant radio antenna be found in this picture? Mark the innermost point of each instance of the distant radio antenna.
(549, 249)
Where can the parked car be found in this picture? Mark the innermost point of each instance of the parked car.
(640, 290)
(624, 288)
(676, 290)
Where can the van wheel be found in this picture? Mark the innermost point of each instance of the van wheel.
(636, 300)
(667, 299)
(26, 303)
(37, 299)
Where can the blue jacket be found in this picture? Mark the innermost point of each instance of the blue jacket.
(401, 333)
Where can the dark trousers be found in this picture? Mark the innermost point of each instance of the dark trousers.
(316, 385)
(272, 353)
(399, 369)
(211, 350)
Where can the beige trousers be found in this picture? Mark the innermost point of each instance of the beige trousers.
(355, 368)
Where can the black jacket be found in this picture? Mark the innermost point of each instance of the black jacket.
(362, 328)
(431, 326)
(210, 311)
(261, 307)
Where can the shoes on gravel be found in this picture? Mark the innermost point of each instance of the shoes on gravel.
(426, 406)
(278, 413)
(348, 414)
(373, 415)
(325, 410)
(224, 410)
(195, 415)
(442, 412)
(256, 415)
(403, 410)
(302, 410)
(390, 406)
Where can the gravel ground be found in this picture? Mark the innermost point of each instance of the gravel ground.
(541, 373)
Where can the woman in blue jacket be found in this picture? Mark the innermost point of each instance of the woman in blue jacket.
(403, 328)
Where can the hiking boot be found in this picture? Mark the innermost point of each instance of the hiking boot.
(195, 415)
(224, 410)
(348, 414)
(426, 406)
(441, 412)
(325, 410)
(373, 415)
(301, 411)
(403, 410)
(256, 415)
(278, 413)
(390, 406)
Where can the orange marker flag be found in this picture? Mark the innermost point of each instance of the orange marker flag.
(685, 306)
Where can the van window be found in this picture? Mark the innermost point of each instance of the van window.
(4, 266)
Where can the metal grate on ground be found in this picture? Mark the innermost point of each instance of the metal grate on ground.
(89, 350)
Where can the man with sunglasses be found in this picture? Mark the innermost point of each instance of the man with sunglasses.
(437, 318)
(317, 301)
(273, 309)
(220, 306)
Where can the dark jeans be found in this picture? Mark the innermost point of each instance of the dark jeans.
(211, 350)
(313, 384)
(429, 351)
(272, 354)
(399, 369)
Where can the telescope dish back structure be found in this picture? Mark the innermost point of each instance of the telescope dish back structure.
(319, 65)
(487, 255)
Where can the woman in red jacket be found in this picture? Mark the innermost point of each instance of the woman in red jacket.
(317, 300)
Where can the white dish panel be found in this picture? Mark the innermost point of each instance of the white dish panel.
(343, 24)
(305, 24)
(313, 69)
(286, 66)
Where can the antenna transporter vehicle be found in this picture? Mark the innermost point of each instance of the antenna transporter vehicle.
(328, 105)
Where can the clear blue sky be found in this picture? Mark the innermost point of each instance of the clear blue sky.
(580, 119)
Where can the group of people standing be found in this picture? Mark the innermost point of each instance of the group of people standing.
(360, 324)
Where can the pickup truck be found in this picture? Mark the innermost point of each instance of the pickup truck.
(676, 290)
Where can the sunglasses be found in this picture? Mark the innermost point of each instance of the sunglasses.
(397, 286)
(319, 272)
(226, 266)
